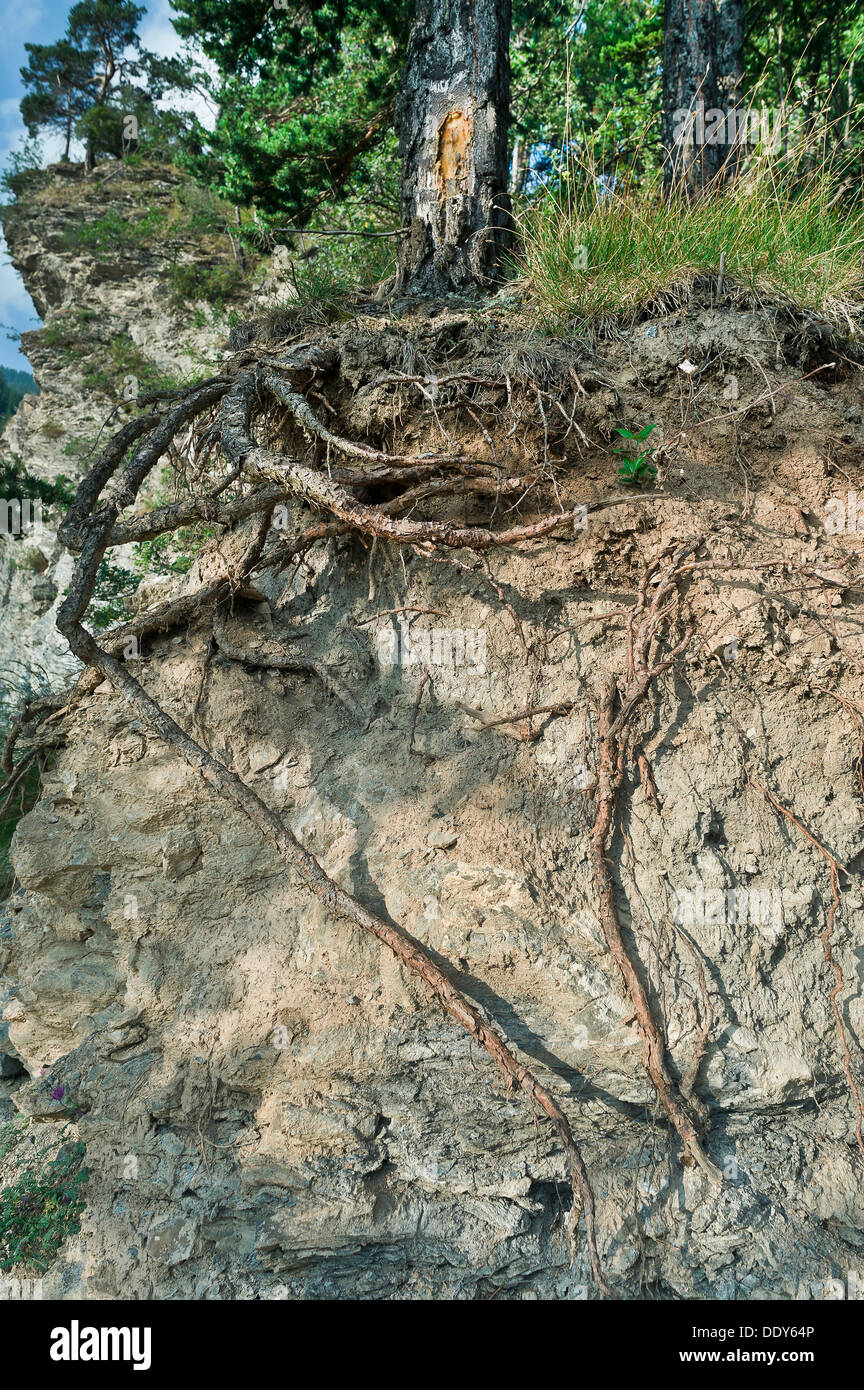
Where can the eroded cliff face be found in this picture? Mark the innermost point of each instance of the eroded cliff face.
(271, 1106)
(97, 256)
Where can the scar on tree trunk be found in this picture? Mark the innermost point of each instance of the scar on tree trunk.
(452, 116)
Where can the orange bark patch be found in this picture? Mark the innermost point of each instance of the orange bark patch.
(454, 143)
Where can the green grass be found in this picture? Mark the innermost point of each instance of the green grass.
(790, 236)
(114, 231)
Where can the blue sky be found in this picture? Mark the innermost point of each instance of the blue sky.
(43, 21)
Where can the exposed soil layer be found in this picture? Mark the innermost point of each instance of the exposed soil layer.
(272, 1105)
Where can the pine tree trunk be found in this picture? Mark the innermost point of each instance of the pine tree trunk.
(452, 115)
(702, 68)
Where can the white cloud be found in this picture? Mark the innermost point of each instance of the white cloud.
(157, 32)
(159, 35)
(19, 21)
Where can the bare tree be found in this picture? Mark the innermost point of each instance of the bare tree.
(453, 114)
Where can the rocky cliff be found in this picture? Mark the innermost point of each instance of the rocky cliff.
(113, 264)
(270, 1105)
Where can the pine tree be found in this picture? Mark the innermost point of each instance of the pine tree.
(86, 85)
(58, 78)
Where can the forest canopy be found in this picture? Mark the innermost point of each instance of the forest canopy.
(306, 95)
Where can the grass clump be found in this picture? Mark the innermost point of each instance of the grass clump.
(115, 232)
(195, 281)
(597, 246)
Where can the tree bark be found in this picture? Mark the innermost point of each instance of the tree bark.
(702, 69)
(452, 115)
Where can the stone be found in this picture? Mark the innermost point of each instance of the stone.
(181, 854)
(442, 839)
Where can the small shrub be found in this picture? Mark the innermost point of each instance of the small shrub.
(42, 1208)
(196, 281)
(639, 470)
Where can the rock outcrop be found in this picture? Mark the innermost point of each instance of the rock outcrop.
(96, 259)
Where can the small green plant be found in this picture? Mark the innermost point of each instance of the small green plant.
(10, 1133)
(172, 554)
(120, 369)
(636, 471)
(41, 1209)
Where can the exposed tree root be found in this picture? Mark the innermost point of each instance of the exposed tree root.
(835, 868)
(272, 391)
(614, 737)
(90, 528)
(276, 661)
(409, 951)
